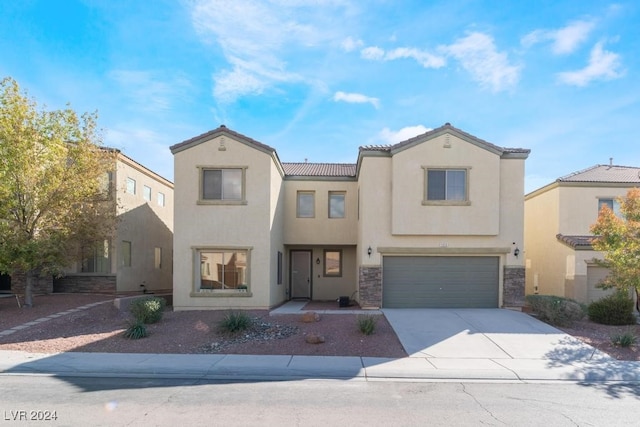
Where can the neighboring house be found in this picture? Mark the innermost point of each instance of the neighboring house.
(434, 221)
(559, 257)
(140, 252)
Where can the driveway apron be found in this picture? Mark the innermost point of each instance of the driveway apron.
(484, 333)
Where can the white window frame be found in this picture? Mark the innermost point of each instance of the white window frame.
(131, 185)
(146, 193)
(161, 199)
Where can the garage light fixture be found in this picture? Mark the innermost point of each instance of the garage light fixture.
(369, 251)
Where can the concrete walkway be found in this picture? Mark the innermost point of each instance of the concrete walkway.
(456, 345)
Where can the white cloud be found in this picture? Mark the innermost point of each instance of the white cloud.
(256, 37)
(564, 40)
(373, 53)
(356, 98)
(478, 55)
(393, 137)
(349, 44)
(424, 58)
(603, 65)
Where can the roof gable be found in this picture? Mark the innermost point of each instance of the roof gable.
(220, 131)
(447, 128)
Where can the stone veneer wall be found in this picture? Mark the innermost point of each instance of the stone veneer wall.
(86, 283)
(513, 288)
(370, 287)
(44, 285)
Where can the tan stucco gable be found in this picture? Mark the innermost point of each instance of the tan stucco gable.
(223, 131)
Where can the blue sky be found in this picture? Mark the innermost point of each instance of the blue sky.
(316, 79)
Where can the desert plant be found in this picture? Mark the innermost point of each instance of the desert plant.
(614, 309)
(556, 310)
(367, 323)
(148, 309)
(234, 321)
(624, 339)
(136, 330)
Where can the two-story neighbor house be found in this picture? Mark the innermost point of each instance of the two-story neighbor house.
(140, 252)
(434, 221)
(559, 257)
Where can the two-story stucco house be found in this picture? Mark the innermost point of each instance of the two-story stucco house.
(559, 257)
(434, 221)
(141, 251)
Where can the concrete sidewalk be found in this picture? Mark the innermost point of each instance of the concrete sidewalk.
(247, 367)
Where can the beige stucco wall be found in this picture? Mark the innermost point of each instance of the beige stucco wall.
(320, 230)
(380, 208)
(278, 291)
(247, 225)
(568, 209)
(146, 225)
(480, 217)
(545, 263)
(579, 206)
(329, 288)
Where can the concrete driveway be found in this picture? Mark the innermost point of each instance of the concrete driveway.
(484, 334)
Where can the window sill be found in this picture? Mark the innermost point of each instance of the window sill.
(223, 202)
(446, 203)
(221, 294)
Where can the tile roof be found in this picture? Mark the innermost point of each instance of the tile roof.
(320, 169)
(576, 242)
(604, 173)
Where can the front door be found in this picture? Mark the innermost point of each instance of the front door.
(301, 274)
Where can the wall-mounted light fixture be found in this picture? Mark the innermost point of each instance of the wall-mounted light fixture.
(516, 252)
(369, 251)
(318, 260)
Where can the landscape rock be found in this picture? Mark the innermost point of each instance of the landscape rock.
(314, 339)
(310, 317)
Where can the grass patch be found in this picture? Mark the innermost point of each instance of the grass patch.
(624, 339)
(136, 330)
(367, 323)
(234, 322)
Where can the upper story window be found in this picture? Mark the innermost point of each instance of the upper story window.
(611, 203)
(160, 199)
(306, 204)
(146, 193)
(222, 185)
(446, 185)
(336, 204)
(131, 186)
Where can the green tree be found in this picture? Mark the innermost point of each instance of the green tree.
(54, 195)
(619, 239)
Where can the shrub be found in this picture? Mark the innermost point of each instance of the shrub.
(235, 321)
(615, 309)
(136, 330)
(148, 310)
(556, 310)
(624, 339)
(367, 323)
